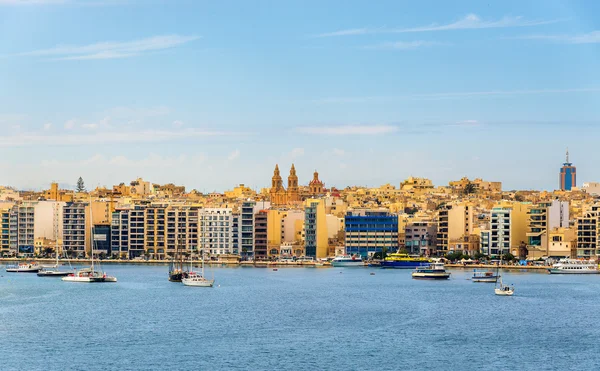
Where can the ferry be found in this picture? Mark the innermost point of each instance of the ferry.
(574, 266)
(484, 276)
(32, 267)
(433, 271)
(405, 261)
(347, 261)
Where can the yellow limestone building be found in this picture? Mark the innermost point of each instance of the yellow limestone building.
(315, 229)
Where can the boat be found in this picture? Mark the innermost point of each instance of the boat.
(89, 274)
(502, 289)
(404, 261)
(484, 276)
(176, 267)
(197, 279)
(574, 266)
(347, 261)
(432, 271)
(31, 267)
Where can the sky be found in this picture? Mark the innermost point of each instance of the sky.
(210, 94)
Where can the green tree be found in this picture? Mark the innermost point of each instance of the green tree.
(80, 185)
(470, 188)
(508, 257)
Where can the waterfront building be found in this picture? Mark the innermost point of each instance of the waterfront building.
(247, 230)
(454, 221)
(102, 239)
(75, 231)
(420, 238)
(261, 235)
(468, 245)
(5, 231)
(315, 229)
(588, 227)
(216, 231)
(370, 231)
(275, 233)
(22, 228)
(137, 232)
(508, 226)
(119, 235)
(568, 175)
(235, 234)
(292, 225)
(562, 243)
(485, 240)
(543, 217)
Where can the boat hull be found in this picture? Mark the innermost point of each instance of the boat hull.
(53, 274)
(431, 276)
(358, 263)
(403, 264)
(83, 279)
(501, 292)
(485, 280)
(197, 283)
(565, 271)
(175, 277)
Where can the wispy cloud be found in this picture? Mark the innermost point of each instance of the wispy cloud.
(111, 49)
(297, 152)
(234, 155)
(586, 38)
(28, 139)
(401, 45)
(348, 129)
(451, 95)
(470, 21)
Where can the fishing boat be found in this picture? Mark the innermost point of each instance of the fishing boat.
(404, 261)
(31, 267)
(197, 279)
(433, 271)
(347, 261)
(89, 274)
(484, 276)
(502, 289)
(574, 266)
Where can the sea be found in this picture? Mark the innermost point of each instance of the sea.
(299, 318)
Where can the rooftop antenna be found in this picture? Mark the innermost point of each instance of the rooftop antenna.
(567, 155)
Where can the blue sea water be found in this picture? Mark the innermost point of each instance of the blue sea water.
(298, 318)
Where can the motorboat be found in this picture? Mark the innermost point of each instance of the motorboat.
(347, 261)
(484, 276)
(31, 267)
(404, 261)
(433, 271)
(574, 266)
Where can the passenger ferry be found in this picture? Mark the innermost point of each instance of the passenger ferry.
(404, 261)
(574, 266)
(433, 271)
(484, 276)
(347, 261)
(32, 267)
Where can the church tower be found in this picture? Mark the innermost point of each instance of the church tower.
(277, 192)
(316, 187)
(293, 194)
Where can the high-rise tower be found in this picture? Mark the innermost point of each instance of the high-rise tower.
(568, 175)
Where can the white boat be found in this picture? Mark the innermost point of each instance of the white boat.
(502, 289)
(484, 276)
(432, 271)
(195, 279)
(89, 274)
(32, 267)
(574, 266)
(347, 261)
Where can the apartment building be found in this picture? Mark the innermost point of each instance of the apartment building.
(542, 218)
(75, 230)
(370, 231)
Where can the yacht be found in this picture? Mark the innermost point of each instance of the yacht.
(197, 279)
(484, 276)
(32, 267)
(347, 261)
(574, 266)
(503, 290)
(433, 271)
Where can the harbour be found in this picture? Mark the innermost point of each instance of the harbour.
(260, 318)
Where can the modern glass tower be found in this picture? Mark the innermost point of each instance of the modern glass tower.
(568, 175)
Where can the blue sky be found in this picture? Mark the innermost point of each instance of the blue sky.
(209, 94)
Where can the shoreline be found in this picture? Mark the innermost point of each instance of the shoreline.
(258, 264)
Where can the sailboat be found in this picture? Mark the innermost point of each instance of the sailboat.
(195, 279)
(176, 272)
(53, 271)
(502, 289)
(89, 274)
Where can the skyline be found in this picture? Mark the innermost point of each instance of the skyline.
(366, 94)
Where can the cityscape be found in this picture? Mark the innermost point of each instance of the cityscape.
(145, 221)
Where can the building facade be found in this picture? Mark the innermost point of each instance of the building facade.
(568, 175)
(370, 231)
(420, 238)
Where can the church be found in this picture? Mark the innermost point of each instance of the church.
(280, 196)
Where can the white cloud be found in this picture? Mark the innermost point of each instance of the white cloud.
(177, 124)
(48, 126)
(297, 152)
(470, 21)
(339, 152)
(234, 155)
(587, 38)
(348, 129)
(90, 126)
(26, 139)
(466, 123)
(401, 45)
(70, 124)
(112, 49)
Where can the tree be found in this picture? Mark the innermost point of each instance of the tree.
(470, 188)
(508, 257)
(80, 185)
